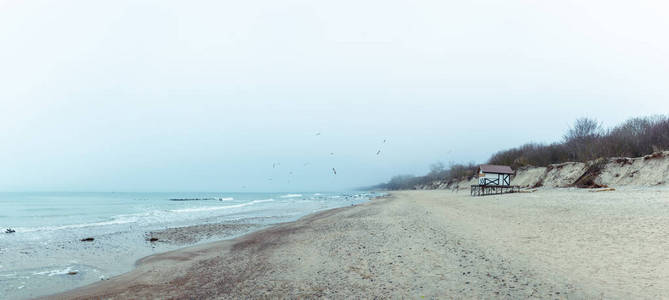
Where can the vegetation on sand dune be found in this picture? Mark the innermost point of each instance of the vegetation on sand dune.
(585, 141)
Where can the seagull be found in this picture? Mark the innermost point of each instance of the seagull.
(331, 153)
(318, 133)
(378, 152)
(335, 171)
(384, 141)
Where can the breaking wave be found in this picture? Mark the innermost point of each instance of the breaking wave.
(291, 196)
(212, 208)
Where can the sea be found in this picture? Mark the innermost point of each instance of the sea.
(46, 253)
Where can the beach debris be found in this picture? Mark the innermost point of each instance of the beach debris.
(88, 239)
(594, 169)
(72, 273)
(334, 171)
(9, 230)
(153, 239)
(654, 155)
(604, 190)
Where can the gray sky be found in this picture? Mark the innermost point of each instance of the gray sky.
(207, 95)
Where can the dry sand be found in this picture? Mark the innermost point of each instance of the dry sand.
(553, 243)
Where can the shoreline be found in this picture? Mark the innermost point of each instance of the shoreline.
(102, 258)
(554, 243)
(47, 258)
(183, 254)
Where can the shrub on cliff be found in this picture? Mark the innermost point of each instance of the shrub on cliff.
(587, 140)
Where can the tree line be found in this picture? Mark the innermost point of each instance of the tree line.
(585, 140)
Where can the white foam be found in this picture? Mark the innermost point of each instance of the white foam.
(150, 216)
(56, 272)
(291, 196)
(213, 208)
(122, 219)
(161, 214)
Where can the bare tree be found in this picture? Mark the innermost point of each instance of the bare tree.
(581, 137)
(584, 128)
(437, 171)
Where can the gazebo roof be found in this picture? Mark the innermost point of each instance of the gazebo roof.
(496, 169)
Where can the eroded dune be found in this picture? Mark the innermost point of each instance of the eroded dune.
(650, 170)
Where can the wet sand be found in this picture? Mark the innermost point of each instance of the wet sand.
(189, 235)
(553, 243)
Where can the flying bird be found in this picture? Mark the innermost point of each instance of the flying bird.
(334, 171)
(378, 152)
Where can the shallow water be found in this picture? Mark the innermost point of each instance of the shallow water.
(46, 249)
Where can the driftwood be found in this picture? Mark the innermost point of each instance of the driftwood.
(604, 190)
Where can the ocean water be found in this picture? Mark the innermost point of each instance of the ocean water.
(36, 259)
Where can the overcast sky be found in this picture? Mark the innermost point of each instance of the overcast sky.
(209, 95)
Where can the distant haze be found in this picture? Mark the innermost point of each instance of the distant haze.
(226, 95)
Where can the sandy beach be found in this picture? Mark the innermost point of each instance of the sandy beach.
(553, 243)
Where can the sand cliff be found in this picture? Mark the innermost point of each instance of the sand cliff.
(649, 170)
